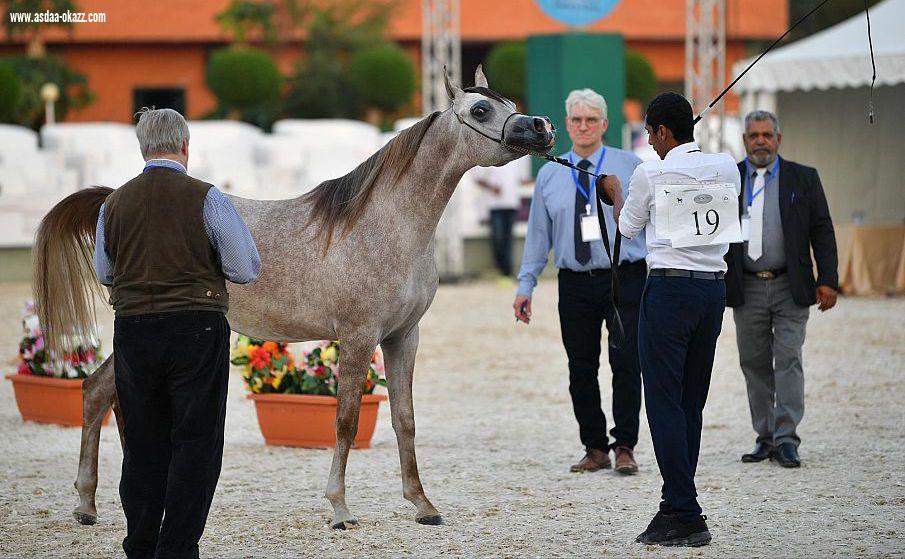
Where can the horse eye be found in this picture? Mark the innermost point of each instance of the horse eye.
(479, 111)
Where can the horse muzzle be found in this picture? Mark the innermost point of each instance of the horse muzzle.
(533, 133)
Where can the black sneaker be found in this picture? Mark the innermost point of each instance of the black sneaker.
(655, 530)
(684, 533)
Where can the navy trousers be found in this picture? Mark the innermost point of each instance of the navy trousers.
(171, 377)
(679, 324)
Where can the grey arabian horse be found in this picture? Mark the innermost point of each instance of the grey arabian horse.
(352, 260)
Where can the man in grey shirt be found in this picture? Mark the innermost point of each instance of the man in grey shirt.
(561, 197)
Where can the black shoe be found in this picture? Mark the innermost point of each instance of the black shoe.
(684, 533)
(787, 455)
(655, 530)
(761, 452)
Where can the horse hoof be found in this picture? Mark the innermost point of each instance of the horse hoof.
(344, 525)
(84, 518)
(433, 520)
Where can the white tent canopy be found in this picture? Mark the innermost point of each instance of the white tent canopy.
(837, 57)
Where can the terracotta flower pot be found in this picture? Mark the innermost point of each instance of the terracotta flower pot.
(308, 421)
(49, 400)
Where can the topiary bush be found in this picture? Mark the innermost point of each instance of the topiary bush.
(242, 77)
(505, 69)
(383, 77)
(640, 80)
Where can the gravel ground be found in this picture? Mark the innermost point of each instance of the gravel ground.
(495, 438)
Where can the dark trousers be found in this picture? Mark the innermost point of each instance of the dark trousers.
(584, 305)
(501, 238)
(171, 378)
(680, 321)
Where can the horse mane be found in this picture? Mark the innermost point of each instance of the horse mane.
(341, 201)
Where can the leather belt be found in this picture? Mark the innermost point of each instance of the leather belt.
(676, 273)
(595, 272)
(766, 274)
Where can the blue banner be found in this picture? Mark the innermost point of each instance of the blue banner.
(577, 12)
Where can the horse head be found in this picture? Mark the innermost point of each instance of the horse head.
(497, 133)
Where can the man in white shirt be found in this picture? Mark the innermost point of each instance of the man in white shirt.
(681, 312)
(503, 185)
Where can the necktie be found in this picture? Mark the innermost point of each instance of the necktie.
(756, 214)
(582, 249)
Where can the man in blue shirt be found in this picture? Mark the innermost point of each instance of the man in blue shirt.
(561, 197)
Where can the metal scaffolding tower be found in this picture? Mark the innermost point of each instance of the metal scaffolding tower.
(705, 67)
(441, 46)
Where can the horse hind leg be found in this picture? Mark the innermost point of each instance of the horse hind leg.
(399, 353)
(98, 394)
(354, 359)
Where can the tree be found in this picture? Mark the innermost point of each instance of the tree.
(383, 76)
(827, 16)
(31, 30)
(640, 80)
(336, 31)
(34, 73)
(10, 92)
(506, 69)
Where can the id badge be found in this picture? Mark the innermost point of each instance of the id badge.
(746, 228)
(590, 227)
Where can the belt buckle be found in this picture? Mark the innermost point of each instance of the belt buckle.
(766, 275)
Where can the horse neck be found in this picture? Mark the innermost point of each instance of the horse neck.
(420, 195)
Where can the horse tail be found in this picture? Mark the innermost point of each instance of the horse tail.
(63, 278)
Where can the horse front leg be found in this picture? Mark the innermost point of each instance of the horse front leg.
(399, 353)
(98, 394)
(354, 358)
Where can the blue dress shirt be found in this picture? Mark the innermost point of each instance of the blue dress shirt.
(227, 232)
(551, 223)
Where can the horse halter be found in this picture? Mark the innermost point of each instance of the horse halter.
(502, 139)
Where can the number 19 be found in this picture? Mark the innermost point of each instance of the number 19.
(714, 221)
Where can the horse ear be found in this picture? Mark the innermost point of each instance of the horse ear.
(451, 89)
(480, 80)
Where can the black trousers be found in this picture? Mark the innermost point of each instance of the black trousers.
(501, 238)
(584, 305)
(171, 378)
(681, 319)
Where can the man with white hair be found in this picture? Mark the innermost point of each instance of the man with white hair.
(562, 209)
(165, 245)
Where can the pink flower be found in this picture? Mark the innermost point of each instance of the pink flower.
(39, 343)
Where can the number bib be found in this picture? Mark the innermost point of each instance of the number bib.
(698, 214)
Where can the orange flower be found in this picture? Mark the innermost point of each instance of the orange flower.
(271, 348)
(260, 358)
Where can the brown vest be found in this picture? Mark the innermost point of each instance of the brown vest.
(162, 258)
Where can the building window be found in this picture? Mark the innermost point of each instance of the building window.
(159, 98)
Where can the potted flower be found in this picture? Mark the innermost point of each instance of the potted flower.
(48, 387)
(296, 401)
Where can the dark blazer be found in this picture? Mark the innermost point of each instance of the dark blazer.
(806, 224)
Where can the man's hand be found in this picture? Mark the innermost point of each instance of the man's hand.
(522, 307)
(609, 189)
(826, 297)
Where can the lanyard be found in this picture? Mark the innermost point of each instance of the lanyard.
(587, 195)
(752, 195)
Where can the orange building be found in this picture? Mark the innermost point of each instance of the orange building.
(158, 50)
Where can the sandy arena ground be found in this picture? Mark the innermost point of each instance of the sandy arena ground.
(496, 436)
